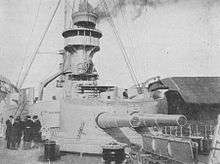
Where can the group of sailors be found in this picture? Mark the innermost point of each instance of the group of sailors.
(27, 129)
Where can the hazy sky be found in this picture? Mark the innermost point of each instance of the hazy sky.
(177, 38)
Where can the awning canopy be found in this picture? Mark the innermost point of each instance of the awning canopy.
(199, 90)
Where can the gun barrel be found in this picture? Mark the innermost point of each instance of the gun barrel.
(107, 120)
(150, 120)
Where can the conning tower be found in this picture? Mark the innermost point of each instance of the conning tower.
(81, 43)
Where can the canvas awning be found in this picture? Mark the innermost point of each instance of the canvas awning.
(199, 90)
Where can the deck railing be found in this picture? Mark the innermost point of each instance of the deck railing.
(198, 131)
(192, 129)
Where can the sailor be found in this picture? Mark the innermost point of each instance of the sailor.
(28, 125)
(20, 126)
(8, 136)
(15, 133)
(36, 131)
(125, 94)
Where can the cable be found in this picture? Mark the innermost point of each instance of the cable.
(110, 20)
(27, 45)
(38, 47)
(130, 40)
(127, 58)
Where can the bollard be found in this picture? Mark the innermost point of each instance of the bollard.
(50, 150)
(113, 154)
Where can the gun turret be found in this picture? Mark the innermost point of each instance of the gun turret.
(107, 120)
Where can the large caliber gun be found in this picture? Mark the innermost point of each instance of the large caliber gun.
(159, 146)
(107, 120)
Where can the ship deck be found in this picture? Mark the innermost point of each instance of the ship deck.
(35, 156)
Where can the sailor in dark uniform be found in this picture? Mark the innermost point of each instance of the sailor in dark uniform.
(15, 133)
(28, 125)
(125, 94)
(8, 135)
(36, 131)
(19, 135)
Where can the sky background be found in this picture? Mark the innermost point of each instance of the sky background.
(170, 38)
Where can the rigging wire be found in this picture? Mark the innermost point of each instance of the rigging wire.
(110, 20)
(127, 58)
(38, 47)
(130, 41)
(29, 40)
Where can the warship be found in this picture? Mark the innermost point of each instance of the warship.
(96, 121)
